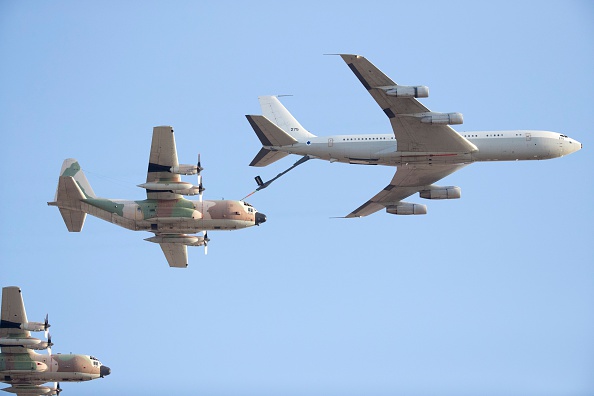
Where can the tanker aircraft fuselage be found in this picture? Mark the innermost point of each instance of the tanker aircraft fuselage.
(423, 146)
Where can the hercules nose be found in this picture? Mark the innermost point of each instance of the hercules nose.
(103, 371)
(260, 218)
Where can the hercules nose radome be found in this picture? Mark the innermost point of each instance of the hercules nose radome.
(260, 218)
(104, 370)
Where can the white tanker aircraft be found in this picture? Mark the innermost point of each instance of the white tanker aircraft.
(423, 147)
(26, 370)
(172, 218)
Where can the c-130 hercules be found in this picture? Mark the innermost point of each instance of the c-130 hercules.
(165, 212)
(26, 370)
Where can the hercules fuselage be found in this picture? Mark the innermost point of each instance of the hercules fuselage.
(31, 367)
(172, 215)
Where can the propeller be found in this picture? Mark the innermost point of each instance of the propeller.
(199, 176)
(57, 388)
(46, 325)
(49, 345)
(206, 240)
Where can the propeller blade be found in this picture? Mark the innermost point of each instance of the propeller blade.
(46, 325)
(206, 243)
(49, 345)
(199, 177)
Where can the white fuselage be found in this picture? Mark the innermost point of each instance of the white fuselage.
(382, 149)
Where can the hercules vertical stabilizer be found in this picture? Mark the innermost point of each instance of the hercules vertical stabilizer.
(73, 187)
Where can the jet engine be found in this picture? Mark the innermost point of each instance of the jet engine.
(406, 208)
(450, 192)
(403, 91)
(441, 118)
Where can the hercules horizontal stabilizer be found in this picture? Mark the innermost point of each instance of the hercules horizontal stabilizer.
(68, 199)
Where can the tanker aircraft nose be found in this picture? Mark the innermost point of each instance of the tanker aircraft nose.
(103, 371)
(260, 218)
(573, 146)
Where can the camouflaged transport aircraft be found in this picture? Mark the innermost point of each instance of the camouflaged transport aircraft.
(26, 370)
(423, 147)
(165, 212)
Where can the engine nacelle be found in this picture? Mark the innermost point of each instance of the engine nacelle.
(182, 188)
(31, 343)
(442, 118)
(32, 390)
(189, 192)
(403, 91)
(451, 192)
(184, 239)
(33, 326)
(407, 209)
(184, 169)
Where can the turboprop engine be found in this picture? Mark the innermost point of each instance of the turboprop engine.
(184, 169)
(403, 91)
(406, 208)
(450, 192)
(29, 326)
(34, 390)
(184, 239)
(30, 343)
(182, 188)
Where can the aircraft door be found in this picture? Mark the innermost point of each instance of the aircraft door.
(330, 142)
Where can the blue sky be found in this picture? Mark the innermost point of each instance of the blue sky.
(491, 294)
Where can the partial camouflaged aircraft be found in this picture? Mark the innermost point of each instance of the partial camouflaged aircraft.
(26, 370)
(165, 212)
(422, 146)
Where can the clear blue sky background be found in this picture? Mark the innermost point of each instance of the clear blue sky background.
(492, 294)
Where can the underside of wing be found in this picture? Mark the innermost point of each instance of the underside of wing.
(408, 180)
(176, 254)
(407, 115)
(162, 158)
